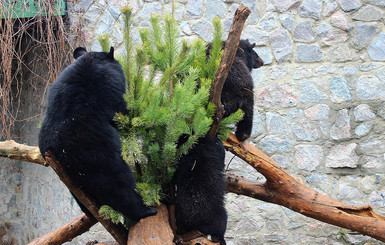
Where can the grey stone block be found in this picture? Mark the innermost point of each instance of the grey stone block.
(308, 53)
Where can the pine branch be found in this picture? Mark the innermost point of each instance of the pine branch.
(229, 52)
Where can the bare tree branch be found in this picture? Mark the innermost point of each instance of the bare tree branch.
(11, 149)
(283, 189)
(67, 232)
(227, 60)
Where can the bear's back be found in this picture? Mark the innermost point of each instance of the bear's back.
(81, 105)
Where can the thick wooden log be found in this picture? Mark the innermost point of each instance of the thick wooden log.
(227, 60)
(283, 189)
(67, 232)
(153, 230)
(118, 232)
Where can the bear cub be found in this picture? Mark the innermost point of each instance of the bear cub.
(237, 91)
(200, 190)
(78, 129)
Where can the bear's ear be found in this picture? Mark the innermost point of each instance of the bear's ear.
(111, 53)
(252, 46)
(79, 52)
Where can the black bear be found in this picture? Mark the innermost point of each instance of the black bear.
(200, 190)
(79, 131)
(237, 91)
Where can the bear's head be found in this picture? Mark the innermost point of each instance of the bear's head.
(247, 53)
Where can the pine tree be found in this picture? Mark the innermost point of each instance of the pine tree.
(169, 82)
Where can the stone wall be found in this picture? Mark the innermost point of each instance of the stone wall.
(319, 110)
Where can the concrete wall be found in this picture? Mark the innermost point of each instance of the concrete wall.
(319, 112)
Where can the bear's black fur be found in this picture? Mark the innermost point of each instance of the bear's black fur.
(237, 91)
(78, 130)
(200, 190)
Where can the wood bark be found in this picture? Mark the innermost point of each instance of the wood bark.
(227, 60)
(118, 232)
(283, 189)
(67, 232)
(153, 230)
(11, 149)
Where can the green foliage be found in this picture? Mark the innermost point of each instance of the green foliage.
(169, 83)
(104, 41)
(149, 193)
(108, 213)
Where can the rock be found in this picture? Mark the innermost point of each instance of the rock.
(340, 20)
(368, 13)
(301, 73)
(276, 124)
(274, 143)
(284, 5)
(303, 31)
(259, 37)
(279, 72)
(339, 90)
(281, 44)
(317, 112)
(280, 95)
(348, 192)
(310, 9)
(329, 8)
(215, 8)
(371, 162)
(308, 157)
(363, 113)
(105, 25)
(364, 34)
(362, 129)
(342, 156)
(373, 146)
(377, 48)
(317, 178)
(194, 9)
(305, 130)
(340, 53)
(148, 9)
(93, 14)
(380, 3)
(287, 21)
(349, 70)
(204, 29)
(268, 22)
(323, 70)
(349, 5)
(330, 35)
(308, 53)
(369, 88)
(258, 124)
(341, 128)
(311, 94)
